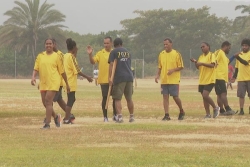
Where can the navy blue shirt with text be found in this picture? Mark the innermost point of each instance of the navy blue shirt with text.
(123, 72)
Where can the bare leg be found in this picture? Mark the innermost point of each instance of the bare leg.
(118, 106)
(68, 112)
(241, 101)
(62, 104)
(166, 103)
(178, 102)
(130, 105)
(207, 100)
(49, 105)
(220, 101)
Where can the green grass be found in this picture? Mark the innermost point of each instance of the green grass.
(148, 142)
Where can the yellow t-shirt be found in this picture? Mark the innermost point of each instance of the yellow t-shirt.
(207, 75)
(167, 61)
(102, 59)
(50, 68)
(222, 65)
(243, 70)
(61, 54)
(71, 70)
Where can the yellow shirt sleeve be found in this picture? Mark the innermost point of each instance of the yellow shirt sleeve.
(179, 61)
(60, 66)
(36, 66)
(75, 67)
(159, 61)
(97, 57)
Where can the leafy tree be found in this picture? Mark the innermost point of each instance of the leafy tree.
(29, 24)
(187, 28)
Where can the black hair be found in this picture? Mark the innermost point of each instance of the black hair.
(169, 40)
(117, 42)
(108, 38)
(53, 41)
(70, 44)
(207, 44)
(225, 43)
(245, 41)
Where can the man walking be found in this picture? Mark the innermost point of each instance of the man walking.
(222, 78)
(169, 66)
(123, 79)
(242, 73)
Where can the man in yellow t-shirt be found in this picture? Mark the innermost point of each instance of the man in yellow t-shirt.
(206, 67)
(101, 58)
(242, 73)
(169, 66)
(222, 78)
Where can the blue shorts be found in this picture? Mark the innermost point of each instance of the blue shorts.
(170, 89)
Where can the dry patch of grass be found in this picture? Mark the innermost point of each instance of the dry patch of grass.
(148, 141)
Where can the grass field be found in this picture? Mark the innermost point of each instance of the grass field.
(148, 142)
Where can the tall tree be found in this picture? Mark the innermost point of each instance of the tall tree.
(29, 24)
(187, 28)
(242, 23)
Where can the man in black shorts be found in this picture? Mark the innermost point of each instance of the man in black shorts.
(222, 78)
(123, 79)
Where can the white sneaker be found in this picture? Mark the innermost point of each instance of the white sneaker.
(216, 112)
(106, 119)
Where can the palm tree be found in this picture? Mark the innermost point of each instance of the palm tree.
(29, 24)
(242, 23)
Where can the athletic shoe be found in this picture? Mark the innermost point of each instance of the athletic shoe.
(72, 118)
(230, 112)
(67, 122)
(166, 118)
(241, 113)
(119, 120)
(115, 117)
(105, 119)
(207, 116)
(46, 126)
(181, 116)
(216, 112)
(57, 120)
(131, 119)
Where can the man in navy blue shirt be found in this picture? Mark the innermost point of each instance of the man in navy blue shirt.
(123, 78)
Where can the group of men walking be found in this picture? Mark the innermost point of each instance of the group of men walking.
(213, 73)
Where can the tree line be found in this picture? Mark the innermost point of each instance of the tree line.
(30, 23)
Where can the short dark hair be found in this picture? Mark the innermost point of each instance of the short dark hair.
(207, 44)
(49, 39)
(108, 38)
(70, 44)
(225, 43)
(117, 42)
(245, 41)
(169, 40)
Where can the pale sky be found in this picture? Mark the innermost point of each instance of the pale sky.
(95, 16)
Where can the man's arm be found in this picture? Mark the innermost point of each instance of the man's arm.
(33, 79)
(241, 60)
(110, 72)
(209, 65)
(90, 51)
(158, 75)
(171, 71)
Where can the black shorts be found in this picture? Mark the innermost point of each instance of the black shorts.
(220, 87)
(208, 88)
(58, 95)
